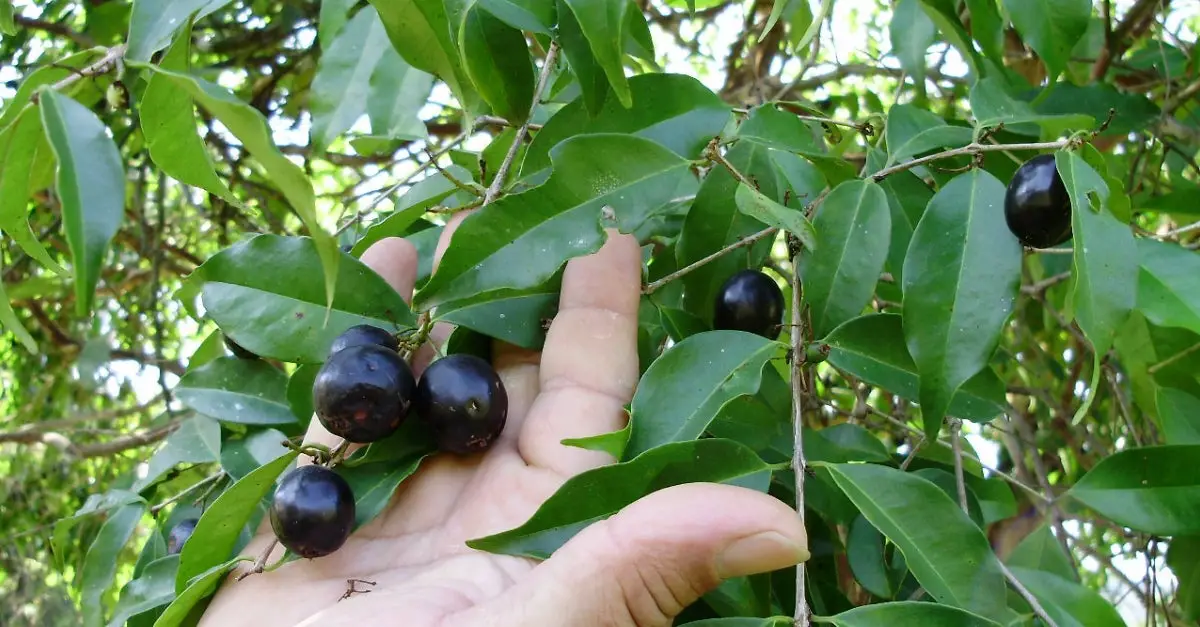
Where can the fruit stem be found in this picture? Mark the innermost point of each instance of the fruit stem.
(261, 562)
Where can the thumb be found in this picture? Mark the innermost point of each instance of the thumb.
(644, 565)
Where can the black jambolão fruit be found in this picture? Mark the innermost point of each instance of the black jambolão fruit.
(463, 401)
(313, 511)
(363, 334)
(238, 350)
(180, 534)
(1037, 207)
(750, 301)
(363, 393)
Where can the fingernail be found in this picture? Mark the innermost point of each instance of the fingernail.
(760, 553)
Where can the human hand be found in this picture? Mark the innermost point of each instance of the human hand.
(640, 567)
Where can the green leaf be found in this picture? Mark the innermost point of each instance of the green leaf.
(1183, 557)
(397, 93)
(10, 321)
(881, 572)
(299, 391)
(960, 282)
(7, 25)
(168, 119)
(420, 31)
(992, 105)
(589, 75)
(217, 531)
(1168, 284)
(774, 621)
(1051, 28)
(342, 83)
(946, 552)
(674, 110)
(683, 390)
(1068, 603)
(1133, 111)
(854, 227)
(987, 27)
(100, 565)
(496, 59)
(537, 16)
(754, 204)
(603, 24)
(154, 588)
(911, 131)
(94, 505)
(1153, 489)
(411, 441)
(91, 188)
(599, 493)
(374, 484)
(196, 441)
(613, 443)
(250, 127)
(196, 590)
(945, 16)
(517, 317)
(843, 443)
(912, 33)
(152, 23)
(1179, 413)
(906, 613)
(239, 391)
(521, 240)
(243, 456)
(333, 17)
(19, 144)
(426, 193)
(261, 293)
(763, 421)
(50, 74)
(1040, 551)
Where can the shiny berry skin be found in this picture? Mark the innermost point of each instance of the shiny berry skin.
(180, 534)
(1037, 207)
(363, 393)
(463, 401)
(750, 301)
(313, 511)
(363, 334)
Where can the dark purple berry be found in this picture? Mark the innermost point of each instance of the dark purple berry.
(750, 301)
(363, 393)
(363, 334)
(464, 403)
(1037, 207)
(180, 534)
(238, 350)
(313, 511)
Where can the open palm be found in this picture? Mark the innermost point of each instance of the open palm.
(640, 567)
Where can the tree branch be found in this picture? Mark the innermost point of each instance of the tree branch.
(502, 173)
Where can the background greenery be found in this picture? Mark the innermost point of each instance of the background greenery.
(140, 155)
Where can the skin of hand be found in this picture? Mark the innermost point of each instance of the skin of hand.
(640, 567)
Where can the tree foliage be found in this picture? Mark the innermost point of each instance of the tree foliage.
(991, 435)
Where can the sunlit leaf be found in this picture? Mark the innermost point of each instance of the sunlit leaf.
(1153, 489)
(152, 23)
(237, 390)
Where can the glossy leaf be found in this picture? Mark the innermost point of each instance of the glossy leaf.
(599, 493)
(946, 552)
(758, 206)
(685, 388)
(589, 75)
(960, 282)
(374, 484)
(426, 193)
(332, 19)
(90, 185)
(603, 24)
(261, 293)
(217, 532)
(992, 105)
(912, 33)
(152, 23)
(774, 621)
(397, 93)
(1153, 489)
(536, 16)
(843, 443)
(243, 456)
(420, 32)
(1168, 284)
(906, 613)
(911, 131)
(342, 82)
(250, 127)
(168, 120)
(19, 145)
(155, 587)
(1183, 557)
(1041, 551)
(411, 441)
(196, 590)
(496, 59)
(878, 567)
(299, 391)
(237, 390)
(1051, 28)
(518, 317)
(674, 110)
(521, 240)
(100, 564)
(196, 441)
(1179, 413)
(50, 74)
(1067, 602)
(854, 227)
(987, 28)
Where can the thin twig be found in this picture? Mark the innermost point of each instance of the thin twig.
(497, 185)
(188, 490)
(1027, 595)
(745, 241)
(261, 562)
(106, 63)
(1172, 359)
(799, 401)
(970, 149)
(956, 446)
(1180, 231)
